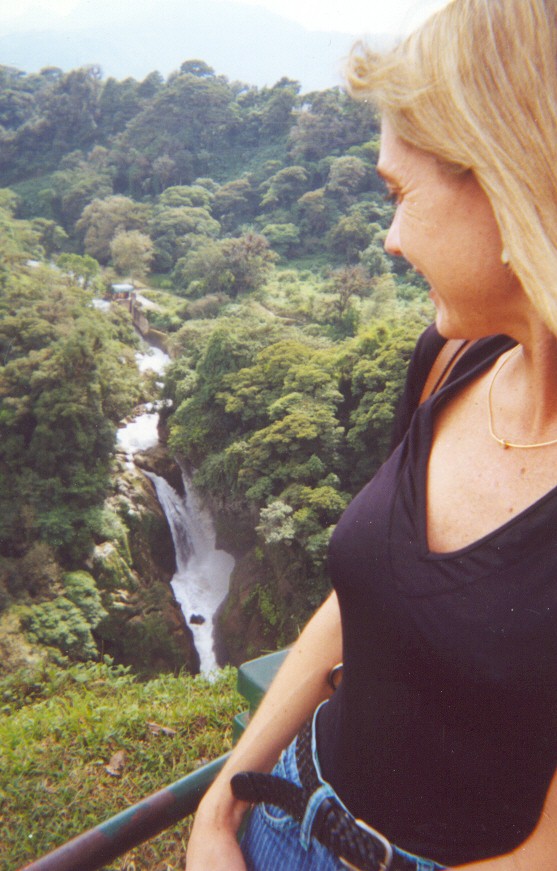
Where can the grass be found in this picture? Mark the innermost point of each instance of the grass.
(56, 744)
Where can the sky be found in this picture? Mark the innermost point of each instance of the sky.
(347, 16)
(252, 41)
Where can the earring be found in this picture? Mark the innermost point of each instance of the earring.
(505, 259)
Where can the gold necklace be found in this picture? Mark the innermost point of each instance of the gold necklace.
(503, 442)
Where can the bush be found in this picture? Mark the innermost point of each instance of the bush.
(62, 625)
(82, 591)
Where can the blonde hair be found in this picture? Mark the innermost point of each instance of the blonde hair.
(476, 86)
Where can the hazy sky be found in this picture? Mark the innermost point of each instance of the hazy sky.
(347, 16)
(254, 41)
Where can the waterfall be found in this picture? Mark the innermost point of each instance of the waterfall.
(202, 575)
(202, 572)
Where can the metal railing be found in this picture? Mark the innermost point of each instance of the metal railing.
(93, 849)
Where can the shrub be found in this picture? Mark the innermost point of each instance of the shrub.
(62, 625)
(82, 591)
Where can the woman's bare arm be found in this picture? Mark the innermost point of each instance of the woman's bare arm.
(300, 685)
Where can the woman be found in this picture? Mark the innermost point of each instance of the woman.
(442, 735)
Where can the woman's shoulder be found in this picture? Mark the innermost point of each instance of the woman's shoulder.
(479, 354)
(429, 346)
(427, 350)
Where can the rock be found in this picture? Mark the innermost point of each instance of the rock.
(158, 461)
(15, 651)
(197, 619)
(110, 569)
(145, 627)
(241, 628)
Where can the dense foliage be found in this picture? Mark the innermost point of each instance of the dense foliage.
(259, 216)
(186, 161)
(67, 377)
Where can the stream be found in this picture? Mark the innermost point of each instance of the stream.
(202, 576)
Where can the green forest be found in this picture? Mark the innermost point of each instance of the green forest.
(253, 221)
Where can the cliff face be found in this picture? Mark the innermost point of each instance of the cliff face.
(145, 627)
(272, 594)
(266, 607)
(119, 603)
(242, 631)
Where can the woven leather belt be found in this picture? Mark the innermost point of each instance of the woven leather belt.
(356, 844)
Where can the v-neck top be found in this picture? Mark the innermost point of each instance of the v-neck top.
(443, 733)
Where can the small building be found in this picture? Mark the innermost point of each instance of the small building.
(121, 291)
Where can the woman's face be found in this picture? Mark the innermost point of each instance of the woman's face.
(445, 227)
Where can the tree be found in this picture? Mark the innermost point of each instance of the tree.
(233, 266)
(375, 260)
(16, 106)
(186, 195)
(284, 407)
(346, 283)
(317, 210)
(284, 188)
(235, 203)
(151, 85)
(64, 119)
(248, 260)
(60, 624)
(284, 238)
(51, 235)
(70, 107)
(278, 109)
(202, 271)
(132, 253)
(197, 68)
(187, 121)
(65, 380)
(351, 235)
(118, 103)
(101, 220)
(18, 240)
(78, 181)
(175, 231)
(83, 270)
(330, 122)
(375, 367)
(347, 177)
(164, 172)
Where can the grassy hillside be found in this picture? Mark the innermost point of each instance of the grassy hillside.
(61, 732)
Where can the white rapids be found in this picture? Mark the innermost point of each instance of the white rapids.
(202, 575)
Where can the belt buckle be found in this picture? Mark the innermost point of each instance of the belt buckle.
(387, 846)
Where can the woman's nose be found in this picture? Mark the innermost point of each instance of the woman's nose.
(392, 240)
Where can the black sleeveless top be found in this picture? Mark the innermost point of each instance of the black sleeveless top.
(443, 733)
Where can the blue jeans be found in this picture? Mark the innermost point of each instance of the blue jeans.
(273, 841)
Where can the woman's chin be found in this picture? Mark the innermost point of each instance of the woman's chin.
(447, 328)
